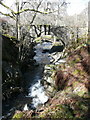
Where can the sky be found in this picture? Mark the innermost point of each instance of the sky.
(75, 6)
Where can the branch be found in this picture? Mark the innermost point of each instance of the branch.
(33, 10)
(35, 13)
(22, 5)
(7, 7)
(7, 15)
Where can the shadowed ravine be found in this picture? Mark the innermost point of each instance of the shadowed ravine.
(36, 93)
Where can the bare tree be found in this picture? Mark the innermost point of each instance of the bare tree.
(15, 15)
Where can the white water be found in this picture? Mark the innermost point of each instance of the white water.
(36, 90)
(26, 107)
(38, 94)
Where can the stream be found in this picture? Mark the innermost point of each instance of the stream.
(36, 90)
(36, 94)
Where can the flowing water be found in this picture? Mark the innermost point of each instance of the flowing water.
(36, 90)
(36, 93)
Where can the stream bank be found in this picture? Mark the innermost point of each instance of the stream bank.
(37, 93)
(13, 83)
(72, 97)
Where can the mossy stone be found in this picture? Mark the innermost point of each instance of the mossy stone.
(18, 116)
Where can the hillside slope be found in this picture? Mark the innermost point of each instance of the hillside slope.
(72, 80)
(73, 83)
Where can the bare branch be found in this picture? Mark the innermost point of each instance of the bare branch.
(22, 5)
(36, 12)
(7, 7)
(33, 10)
(7, 15)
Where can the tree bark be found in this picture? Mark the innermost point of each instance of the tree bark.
(88, 41)
(18, 27)
(45, 29)
(49, 30)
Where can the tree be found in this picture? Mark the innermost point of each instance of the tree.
(15, 15)
(88, 28)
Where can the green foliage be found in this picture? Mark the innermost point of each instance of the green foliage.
(18, 116)
(76, 72)
(9, 36)
(60, 111)
(76, 111)
(63, 111)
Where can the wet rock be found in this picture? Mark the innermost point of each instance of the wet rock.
(47, 67)
(49, 80)
(45, 50)
(50, 89)
(56, 49)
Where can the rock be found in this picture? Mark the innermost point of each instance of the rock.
(80, 89)
(50, 89)
(60, 61)
(52, 60)
(36, 64)
(56, 57)
(45, 50)
(47, 67)
(50, 80)
(56, 49)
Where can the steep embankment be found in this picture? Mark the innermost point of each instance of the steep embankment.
(72, 82)
(11, 73)
(13, 67)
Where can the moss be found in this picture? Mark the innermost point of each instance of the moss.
(18, 116)
(75, 72)
(72, 63)
(9, 36)
(39, 39)
(77, 60)
(75, 83)
(68, 90)
(66, 112)
(81, 109)
(81, 93)
(80, 89)
(78, 71)
(60, 111)
(57, 43)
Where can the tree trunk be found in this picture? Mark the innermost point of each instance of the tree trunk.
(88, 41)
(77, 34)
(18, 21)
(45, 30)
(18, 26)
(49, 30)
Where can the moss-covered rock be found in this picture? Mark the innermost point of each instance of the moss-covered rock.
(18, 115)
